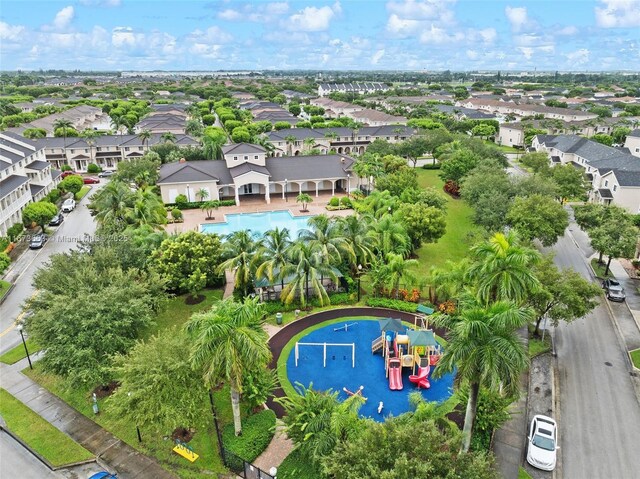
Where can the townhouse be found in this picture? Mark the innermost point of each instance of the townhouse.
(613, 173)
(81, 118)
(170, 118)
(524, 110)
(360, 88)
(25, 176)
(269, 111)
(366, 116)
(247, 172)
(632, 143)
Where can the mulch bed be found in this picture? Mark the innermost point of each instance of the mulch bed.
(191, 300)
(183, 434)
(106, 390)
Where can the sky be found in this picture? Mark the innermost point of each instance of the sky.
(431, 35)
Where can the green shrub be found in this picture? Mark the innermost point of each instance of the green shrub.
(4, 243)
(181, 202)
(5, 261)
(431, 166)
(257, 432)
(346, 201)
(14, 231)
(297, 466)
(392, 304)
(54, 195)
(176, 214)
(190, 205)
(273, 307)
(334, 201)
(93, 168)
(65, 168)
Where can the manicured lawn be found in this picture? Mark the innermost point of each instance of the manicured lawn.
(16, 354)
(503, 148)
(522, 474)
(455, 243)
(297, 466)
(55, 446)
(82, 193)
(635, 358)
(538, 347)
(599, 269)
(4, 287)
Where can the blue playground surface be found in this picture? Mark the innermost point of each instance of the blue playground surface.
(368, 372)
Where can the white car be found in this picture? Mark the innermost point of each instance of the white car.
(542, 443)
(68, 205)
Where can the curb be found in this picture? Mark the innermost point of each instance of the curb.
(555, 403)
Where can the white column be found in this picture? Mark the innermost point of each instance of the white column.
(317, 189)
(237, 196)
(284, 190)
(267, 195)
(333, 187)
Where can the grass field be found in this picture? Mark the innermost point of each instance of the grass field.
(599, 269)
(635, 358)
(456, 241)
(4, 287)
(16, 354)
(55, 446)
(82, 193)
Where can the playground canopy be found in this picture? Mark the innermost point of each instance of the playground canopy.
(422, 338)
(391, 324)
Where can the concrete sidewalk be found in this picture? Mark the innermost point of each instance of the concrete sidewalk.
(129, 463)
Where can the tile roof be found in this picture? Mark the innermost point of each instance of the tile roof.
(11, 183)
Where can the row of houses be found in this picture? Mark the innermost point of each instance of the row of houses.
(524, 110)
(359, 88)
(247, 172)
(614, 174)
(171, 118)
(25, 176)
(81, 117)
(366, 116)
(269, 111)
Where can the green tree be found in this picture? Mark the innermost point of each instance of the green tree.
(572, 183)
(158, 389)
(209, 207)
(397, 270)
(325, 237)
(619, 134)
(538, 162)
(538, 217)
(424, 224)
(145, 136)
(307, 268)
(71, 184)
(104, 307)
(146, 209)
(458, 165)
(354, 230)
(485, 348)
(389, 236)
(564, 295)
(168, 137)
(305, 199)
(294, 109)
(616, 237)
(142, 171)
(274, 249)
(64, 126)
(40, 213)
(502, 270)
(396, 183)
(34, 133)
(179, 257)
(241, 256)
(241, 135)
(112, 205)
(602, 138)
(227, 342)
(483, 130)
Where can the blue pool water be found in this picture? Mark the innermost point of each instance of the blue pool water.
(258, 223)
(368, 371)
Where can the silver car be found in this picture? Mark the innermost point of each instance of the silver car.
(613, 289)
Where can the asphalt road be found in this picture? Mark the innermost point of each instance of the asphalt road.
(63, 238)
(599, 413)
(17, 462)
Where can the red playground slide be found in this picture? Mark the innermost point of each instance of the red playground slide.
(422, 379)
(395, 375)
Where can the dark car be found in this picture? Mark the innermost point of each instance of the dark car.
(69, 173)
(37, 241)
(613, 289)
(56, 220)
(106, 173)
(90, 180)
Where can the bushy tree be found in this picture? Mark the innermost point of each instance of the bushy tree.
(397, 182)
(71, 184)
(458, 165)
(538, 162)
(571, 182)
(39, 213)
(538, 217)
(424, 224)
(241, 135)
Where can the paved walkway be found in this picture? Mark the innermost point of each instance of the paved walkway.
(229, 285)
(279, 448)
(129, 463)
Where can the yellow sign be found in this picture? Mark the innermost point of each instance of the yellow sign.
(185, 452)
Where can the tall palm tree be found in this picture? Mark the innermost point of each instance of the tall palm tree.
(502, 269)
(64, 124)
(486, 350)
(354, 229)
(145, 136)
(113, 204)
(380, 203)
(117, 122)
(398, 269)
(89, 136)
(168, 137)
(211, 148)
(325, 236)
(308, 144)
(242, 253)
(389, 236)
(147, 209)
(228, 341)
(448, 281)
(275, 247)
(307, 268)
(203, 194)
(290, 141)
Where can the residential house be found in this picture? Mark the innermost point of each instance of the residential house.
(614, 174)
(171, 118)
(269, 111)
(81, 117)
(360, 88)
(633, 142)
(525, 110)
(247, 172)
(25, 176)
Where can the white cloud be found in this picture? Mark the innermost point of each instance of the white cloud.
(377, 56)
(402, 27)
(423, 10)
(488, 35)
(313, 19)
(527, 52)
(254, 12)
(101, 3)
(517, 16)
(472, 54)
(568, 30)
(578, 57)
(212, 35)
(10, 33)
(63, 18)
(230, 15)
(124, 36)
(436, 35)
(618, 14)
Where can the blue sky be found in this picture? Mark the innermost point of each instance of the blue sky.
(348, 34)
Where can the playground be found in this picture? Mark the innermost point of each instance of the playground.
(382, 359)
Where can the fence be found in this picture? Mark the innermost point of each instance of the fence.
(243, 468)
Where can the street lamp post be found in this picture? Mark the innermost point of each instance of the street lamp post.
(188, 193)
(359, 275)
(215, 423)
(24, 343)
(348, 183)
(286, 200)
(137, 427)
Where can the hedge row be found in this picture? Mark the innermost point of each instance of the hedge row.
(431, 166)
(257, 432)
(392, 304)
(192, 205)
(273, 307)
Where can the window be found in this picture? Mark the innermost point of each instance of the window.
(126, 148)
(255, 157)
(246, 157)
(606, 183)
(235, 158)
(86, 150)
(615, 187)
(99, 148)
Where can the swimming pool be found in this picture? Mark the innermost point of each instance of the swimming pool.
(369, 370)
(258, 223)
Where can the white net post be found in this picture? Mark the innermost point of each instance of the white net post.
(353, 355)
(324, 356)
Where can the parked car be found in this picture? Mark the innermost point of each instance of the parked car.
(613, 289)
(106, 173)
(542, 443)
(90, 180)
(57, 219)
(37, 241)
(69, 173)
(69, 205)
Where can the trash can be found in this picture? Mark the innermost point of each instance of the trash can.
(278, 318)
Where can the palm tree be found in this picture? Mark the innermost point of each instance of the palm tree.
(389, 236)
(147, 209)
(266, 144)
(398, 269)
(502, 270)
(448, 281)
(211, 149)
(380, 203)
(202, 193)
(290, 140)
(325, 236)
(354, 230)
(117, 122)
(113, 204)
(168, 137)
(307, 268)
(275, 248)
(486, 350)
(308, 144)
(89, 136)
(305, 199)
(241, 251)
(145, 136)
(64, 124)
(228, 340)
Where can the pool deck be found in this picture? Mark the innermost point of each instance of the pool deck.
(195, 217)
